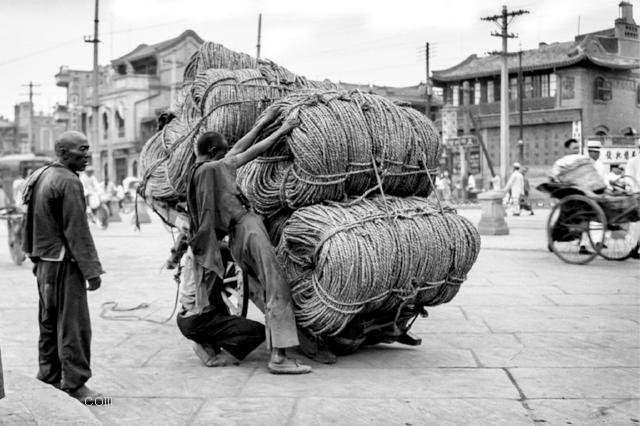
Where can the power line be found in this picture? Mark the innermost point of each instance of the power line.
(77, 40)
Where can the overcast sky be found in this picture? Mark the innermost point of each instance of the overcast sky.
(357, 41)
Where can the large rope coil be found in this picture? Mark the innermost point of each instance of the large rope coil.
(372, 255)
(224, 100)
(214, 55)
(343, 140)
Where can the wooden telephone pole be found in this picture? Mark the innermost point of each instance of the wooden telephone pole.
(502, 21)
(96, 96)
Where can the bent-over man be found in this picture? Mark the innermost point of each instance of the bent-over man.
(58, 241)
(219, 338)
(217, 208)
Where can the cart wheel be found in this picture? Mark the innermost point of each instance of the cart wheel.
(574, 229)
(15, 242)
(236, 292)
(617, 244)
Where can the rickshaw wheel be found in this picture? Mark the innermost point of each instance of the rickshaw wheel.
(617, 243)
(574, 229)
(236, 291)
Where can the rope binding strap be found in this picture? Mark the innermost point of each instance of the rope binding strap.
(433, 187)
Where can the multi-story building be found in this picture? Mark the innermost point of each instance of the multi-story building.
(133, 91)
(414, 96)
(585, 88)
(8, 143)
(45, 130)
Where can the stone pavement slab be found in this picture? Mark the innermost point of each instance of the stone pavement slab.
(410, 411)
(31, 402)
(585, 412)
(585, 383)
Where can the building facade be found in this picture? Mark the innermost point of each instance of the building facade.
(133, 91)
(44, 127)
(586, 88)
(8, 143)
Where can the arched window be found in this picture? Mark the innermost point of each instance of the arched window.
(602, 90)
(120, 124)
(638, 94)
(105, 123)
(601, 130)
(134, 168)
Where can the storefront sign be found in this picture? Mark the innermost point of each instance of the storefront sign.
(617, 155)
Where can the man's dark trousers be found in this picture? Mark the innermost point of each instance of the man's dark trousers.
(65, 327)
(216, 327)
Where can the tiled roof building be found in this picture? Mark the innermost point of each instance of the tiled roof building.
(590, 84)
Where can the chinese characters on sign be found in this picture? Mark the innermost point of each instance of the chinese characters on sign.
(617, 155)
(465, 141)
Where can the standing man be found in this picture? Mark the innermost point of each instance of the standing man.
(515, 184)
(217, 208)
(58, 241)
(593, 147)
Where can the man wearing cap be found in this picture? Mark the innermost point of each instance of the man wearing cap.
(593, 147)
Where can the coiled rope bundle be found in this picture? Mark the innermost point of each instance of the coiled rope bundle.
(223, 100)
(343, 260)
(345, 142)
(213, 55)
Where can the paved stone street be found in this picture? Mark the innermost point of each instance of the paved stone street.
(527, 340)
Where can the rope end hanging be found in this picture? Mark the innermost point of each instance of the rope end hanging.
(433, 187)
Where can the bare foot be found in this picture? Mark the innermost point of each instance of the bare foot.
(222, 360)
(281, 364)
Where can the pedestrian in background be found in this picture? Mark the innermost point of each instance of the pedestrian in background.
(58, 241)
(515, 187)
(446, 187)
(525, 200)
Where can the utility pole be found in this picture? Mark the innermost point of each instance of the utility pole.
(96, 97)
(427, 88)
(174, 75)
(520, 105)
(502, 21)
(29, 147)
(259, 35)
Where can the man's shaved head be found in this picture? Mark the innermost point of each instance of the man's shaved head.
(69, 140)
(72, 150)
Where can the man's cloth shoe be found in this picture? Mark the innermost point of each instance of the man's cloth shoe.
(84, 395)
(212, 358)
(288, 366)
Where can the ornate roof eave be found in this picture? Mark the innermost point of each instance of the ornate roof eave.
(144, 50)
(627, 65)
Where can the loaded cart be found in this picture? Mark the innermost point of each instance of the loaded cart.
(343, 197)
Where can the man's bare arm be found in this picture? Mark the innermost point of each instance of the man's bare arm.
(260, 147)
(247, 140)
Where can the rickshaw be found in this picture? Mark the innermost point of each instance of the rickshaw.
(584, 224)
(13, 167)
